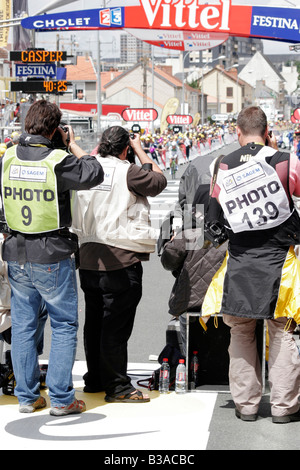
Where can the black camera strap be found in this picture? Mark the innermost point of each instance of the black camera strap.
(214, 180)
(214, 229)
(215, 174)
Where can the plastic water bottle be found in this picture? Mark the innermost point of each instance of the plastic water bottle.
(164, 376)
(180, 384)
(194, 370)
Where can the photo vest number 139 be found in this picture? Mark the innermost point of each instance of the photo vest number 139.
(252, 195)
(29, 192)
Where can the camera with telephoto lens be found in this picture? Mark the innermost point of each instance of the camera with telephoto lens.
(130, 153)
(4, 228)
(270, 133)
(57, 139)
(215, 232)
(7, 378)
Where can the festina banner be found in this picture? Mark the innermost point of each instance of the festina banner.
(264, 22)
(32, 70)
(179, 40)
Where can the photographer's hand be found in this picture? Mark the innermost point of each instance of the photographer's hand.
(142, 156)
(69, 140)
(272, 142)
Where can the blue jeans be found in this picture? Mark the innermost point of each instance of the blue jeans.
(56, 285)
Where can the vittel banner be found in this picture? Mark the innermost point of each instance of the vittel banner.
(179, 119)
(282, 24)
(137, 115)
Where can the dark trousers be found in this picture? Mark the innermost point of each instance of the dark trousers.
(111, 299)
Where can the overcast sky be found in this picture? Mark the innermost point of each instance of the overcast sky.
(110, 40)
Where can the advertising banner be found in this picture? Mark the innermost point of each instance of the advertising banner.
(5, 14)
(103, 18)
(139, 114)
(282, 24)
(296, 114)
(179, 119)
(21, 36)
(179, 40)
(36, 70)
(170, 107)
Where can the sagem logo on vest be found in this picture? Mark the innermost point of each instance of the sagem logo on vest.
(243, 177)
(28, 173)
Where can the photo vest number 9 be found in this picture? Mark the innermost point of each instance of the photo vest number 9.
(29, 192)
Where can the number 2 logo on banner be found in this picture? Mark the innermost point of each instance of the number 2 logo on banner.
(105, 17)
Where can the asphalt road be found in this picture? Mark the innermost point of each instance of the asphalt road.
(152, 317)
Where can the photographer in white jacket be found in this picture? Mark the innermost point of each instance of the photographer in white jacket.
(113, 225)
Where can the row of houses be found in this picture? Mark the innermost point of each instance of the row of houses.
(213, 91)
(206, 91)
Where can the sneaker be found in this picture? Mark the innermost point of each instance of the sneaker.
(78, 406)
(38, 404)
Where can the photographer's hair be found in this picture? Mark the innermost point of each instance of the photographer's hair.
(252, 121)
(42, 118)
(113, 141)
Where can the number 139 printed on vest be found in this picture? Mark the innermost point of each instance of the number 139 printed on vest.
(252, 196)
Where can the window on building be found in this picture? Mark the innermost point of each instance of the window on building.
(229, 108)
(229, 92)
(79, 92)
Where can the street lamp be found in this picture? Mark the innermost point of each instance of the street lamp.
(202, 96)
(99, 97)
(183, 59)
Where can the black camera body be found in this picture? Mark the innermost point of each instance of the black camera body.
(215, 232)
(7, 378)
(57, 140)
(270, 135)
(130, 155)
(4, 228)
